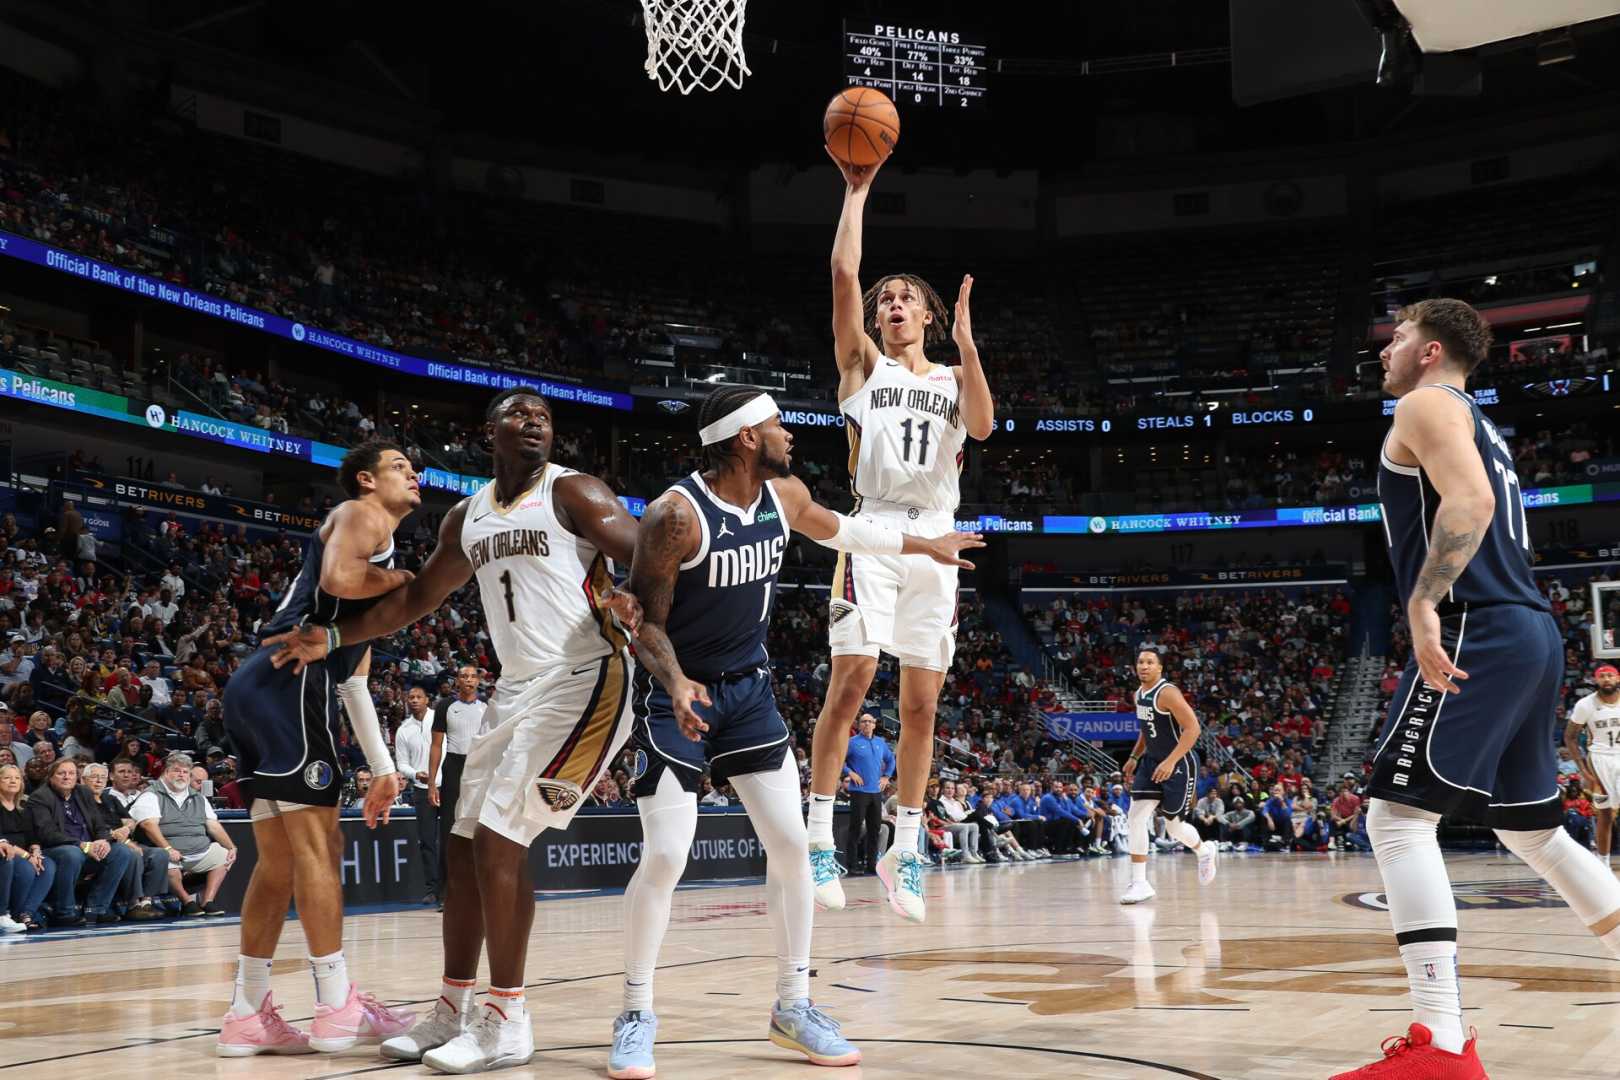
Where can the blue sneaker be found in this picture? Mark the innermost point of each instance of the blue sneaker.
(632, 1056)
(824, 874)
(803, 1027)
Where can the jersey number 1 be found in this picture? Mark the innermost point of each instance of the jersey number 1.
(511, 609)
(922, 441)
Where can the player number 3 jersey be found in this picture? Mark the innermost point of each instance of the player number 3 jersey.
(906, 436)
(541, 586)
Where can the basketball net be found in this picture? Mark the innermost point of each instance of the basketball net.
(695, 44)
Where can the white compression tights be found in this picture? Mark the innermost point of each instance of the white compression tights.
(668, 824)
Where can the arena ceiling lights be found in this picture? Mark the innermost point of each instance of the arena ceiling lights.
(1449, 25)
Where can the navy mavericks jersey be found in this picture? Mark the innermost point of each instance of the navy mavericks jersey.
(305, 602)
(1159, 729)
(721, 611)
(1499, 572)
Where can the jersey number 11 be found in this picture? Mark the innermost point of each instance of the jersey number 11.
(922, 441)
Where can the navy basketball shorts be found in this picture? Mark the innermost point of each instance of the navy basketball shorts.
(1175, 795)
(1488, 753)
(746, 733)
(284, 725)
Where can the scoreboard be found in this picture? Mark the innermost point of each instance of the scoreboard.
(915, 65)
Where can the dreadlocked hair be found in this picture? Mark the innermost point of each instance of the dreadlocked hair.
(722, 400)
(933, 334)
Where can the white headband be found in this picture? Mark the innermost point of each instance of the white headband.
(751, 413)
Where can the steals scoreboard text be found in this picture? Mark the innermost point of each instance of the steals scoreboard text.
(915, 65)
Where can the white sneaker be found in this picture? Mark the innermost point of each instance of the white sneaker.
(973, 857)
(429, 1033)
(492, 1042)
(901, 874)
(1138, 892)
(825, 874)
(8, 925)
(1208, 852)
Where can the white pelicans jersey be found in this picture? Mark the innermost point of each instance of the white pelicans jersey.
(906, 437)
(1602, 723)
(541, 585)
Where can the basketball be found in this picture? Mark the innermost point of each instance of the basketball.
(861, 126)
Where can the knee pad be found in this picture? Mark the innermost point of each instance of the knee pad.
(1138, 823)
(1586, 885)
(1395, 828)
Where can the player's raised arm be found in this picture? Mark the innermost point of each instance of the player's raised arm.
(1439, 431)
(668, 536)
(591, 510)
(978, 407)
(347, 572)
(1175, 702)
(446, 570)
(841, 533)
(853, 349)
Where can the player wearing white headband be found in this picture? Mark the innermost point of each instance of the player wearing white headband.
(705, 567)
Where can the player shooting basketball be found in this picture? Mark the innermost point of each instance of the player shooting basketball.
(907, 419)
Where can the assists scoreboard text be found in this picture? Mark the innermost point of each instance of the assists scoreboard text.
(915, 65)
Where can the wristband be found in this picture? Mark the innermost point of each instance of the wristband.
(334, 639)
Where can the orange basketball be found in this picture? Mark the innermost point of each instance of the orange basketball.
(861, 126)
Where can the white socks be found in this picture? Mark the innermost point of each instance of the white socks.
(668, 823)
(252, 984)
(908, 820)
(507, 1001)
(1138, 871)
(460, 994)
(821, 810)
(331, 979)
(1431, 972)
(772, 802)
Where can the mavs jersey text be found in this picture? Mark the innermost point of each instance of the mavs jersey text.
(1160, 733)
(284, 723)
(718, 620)
(1486, 752)
(561, 708)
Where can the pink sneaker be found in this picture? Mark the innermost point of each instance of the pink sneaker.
(265, 1032)
(361, 1018)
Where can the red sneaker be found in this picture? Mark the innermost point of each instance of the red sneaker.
(1414, 1057)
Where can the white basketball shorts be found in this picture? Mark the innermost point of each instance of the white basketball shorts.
(1607, 767)
(550, 739)
(904, 605)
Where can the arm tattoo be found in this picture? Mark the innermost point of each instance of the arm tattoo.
(1450, 548)
(662, 540)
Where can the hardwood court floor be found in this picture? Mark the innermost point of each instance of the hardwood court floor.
(1281, 969)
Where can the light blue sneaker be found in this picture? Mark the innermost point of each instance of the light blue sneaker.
(824, 874)
(632, 1056)
(901, 874)
(803, 1027)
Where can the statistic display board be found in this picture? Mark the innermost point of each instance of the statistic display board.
(916, 65)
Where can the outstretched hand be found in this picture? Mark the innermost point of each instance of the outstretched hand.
(946, 549)
(380, 798)
(962, 327)
(856, 176)
(682, 697)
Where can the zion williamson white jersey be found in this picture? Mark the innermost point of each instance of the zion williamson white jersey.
(905, 437)
(1602, 723)
(541, 585)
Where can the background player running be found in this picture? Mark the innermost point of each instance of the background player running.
(284, 724)
(1162, 773)
(1599, 714)
(907, 421)
(1472, 726)
(705, 570)
(538, 538)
